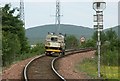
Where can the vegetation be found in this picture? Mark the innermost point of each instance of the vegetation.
(38, 49)
(15, 45)
(110, 44)
(71, 42)
(109, 55)
(109, 49)
(88, 44)
(89, 66)
(13, 37)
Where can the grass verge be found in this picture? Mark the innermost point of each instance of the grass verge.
(89, 66)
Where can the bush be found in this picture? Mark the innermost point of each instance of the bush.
(38, 49)
(110, 58)
(71, 42)
(11, 48)
(88, 43)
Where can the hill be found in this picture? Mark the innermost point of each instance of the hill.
(38, 34)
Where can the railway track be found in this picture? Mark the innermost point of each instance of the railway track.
(42, 67)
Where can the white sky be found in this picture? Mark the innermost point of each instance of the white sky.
(76, 12)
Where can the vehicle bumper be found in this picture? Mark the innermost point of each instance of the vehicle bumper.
(52, 50)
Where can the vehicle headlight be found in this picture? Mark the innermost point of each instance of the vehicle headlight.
(48, 43)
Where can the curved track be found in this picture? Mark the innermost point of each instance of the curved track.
(42, 67)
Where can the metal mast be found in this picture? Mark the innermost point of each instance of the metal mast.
(99, 6)
(57, 16)
(22, 12)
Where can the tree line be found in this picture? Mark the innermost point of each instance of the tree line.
(110, 43)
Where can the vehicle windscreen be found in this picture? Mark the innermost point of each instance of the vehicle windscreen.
(54, 39)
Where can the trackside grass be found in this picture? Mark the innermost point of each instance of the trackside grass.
(90, 67)
(110, 72)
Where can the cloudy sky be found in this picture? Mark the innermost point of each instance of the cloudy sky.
(76, 12)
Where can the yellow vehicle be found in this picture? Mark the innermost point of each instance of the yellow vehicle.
(55, 43)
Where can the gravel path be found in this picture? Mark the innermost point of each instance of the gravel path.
(67, 65)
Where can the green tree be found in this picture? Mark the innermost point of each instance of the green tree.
(11, 48)
(111, 35)
(112, 38)
(109, 50)
(71, 42)
(90, 43)
(38, 49)
(14, 25)
(14, 41)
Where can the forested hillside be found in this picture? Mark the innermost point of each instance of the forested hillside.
(38, 34)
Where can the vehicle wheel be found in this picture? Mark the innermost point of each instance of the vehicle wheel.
(47, 54)
(63, 53)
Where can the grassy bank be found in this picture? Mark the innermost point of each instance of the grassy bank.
(90, 67)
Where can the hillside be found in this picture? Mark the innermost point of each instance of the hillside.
(37, 34)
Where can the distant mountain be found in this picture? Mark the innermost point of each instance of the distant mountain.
(38, 34)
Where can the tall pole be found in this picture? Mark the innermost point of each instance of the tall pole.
(99, 44)
(22, 17)
(99, 7)
(57, 16)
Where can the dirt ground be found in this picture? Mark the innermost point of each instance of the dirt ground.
(15, 70)
(67, 65)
